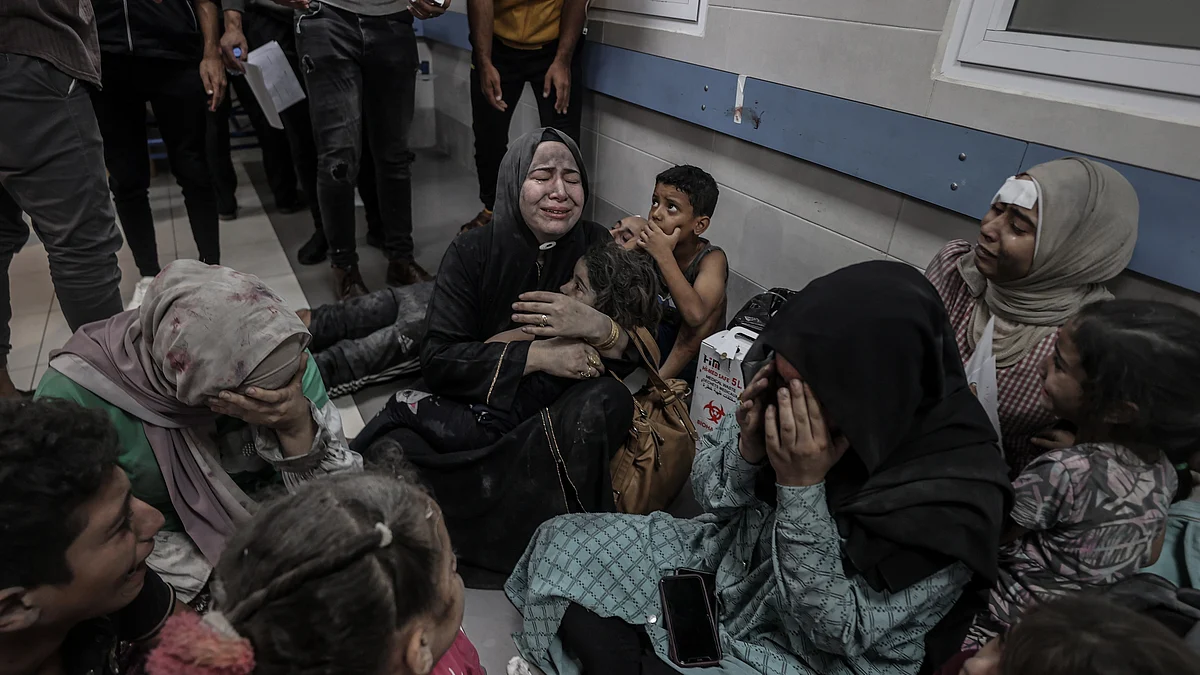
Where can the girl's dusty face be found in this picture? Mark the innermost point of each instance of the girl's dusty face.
(552, 194)
(1063, 377)
(579, 286)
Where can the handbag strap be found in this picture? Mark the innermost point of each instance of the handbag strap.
(641, 339)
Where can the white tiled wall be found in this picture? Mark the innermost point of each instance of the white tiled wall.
(782, 221)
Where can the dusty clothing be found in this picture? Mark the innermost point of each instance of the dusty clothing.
(1020, 385)
(371, 339)
(1093, 512)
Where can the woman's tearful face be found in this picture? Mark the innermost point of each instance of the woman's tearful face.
(552, 195)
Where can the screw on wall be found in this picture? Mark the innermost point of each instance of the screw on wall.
(962, 156)
(954, 186)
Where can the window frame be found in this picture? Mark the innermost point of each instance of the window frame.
(986, 42)
(688, 11)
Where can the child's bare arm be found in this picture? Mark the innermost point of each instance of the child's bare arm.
(696, 304)
(687, 343)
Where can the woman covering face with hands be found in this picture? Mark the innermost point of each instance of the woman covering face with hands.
(856, 492)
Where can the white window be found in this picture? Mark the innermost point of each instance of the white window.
(1151, 47)
(681, 16)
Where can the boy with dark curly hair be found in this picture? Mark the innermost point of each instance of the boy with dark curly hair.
(75, 591)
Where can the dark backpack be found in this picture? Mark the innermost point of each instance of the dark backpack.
(755, 314)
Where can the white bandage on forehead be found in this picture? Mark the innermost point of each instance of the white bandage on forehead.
(1018, 192)
(1026, 193)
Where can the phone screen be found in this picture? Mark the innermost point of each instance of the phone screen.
(688, 620)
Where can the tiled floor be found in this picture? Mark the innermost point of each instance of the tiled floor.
(264, 243)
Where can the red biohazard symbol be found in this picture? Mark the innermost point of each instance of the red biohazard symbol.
(715, 412)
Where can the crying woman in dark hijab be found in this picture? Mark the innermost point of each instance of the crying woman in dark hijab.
(857, 383)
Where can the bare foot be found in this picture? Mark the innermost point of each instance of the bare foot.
(305, 317)
(7, 388)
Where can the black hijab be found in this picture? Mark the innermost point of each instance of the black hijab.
(484, 272)
(924, 483)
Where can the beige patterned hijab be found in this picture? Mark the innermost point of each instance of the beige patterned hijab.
(202, 329)
(1087, 229)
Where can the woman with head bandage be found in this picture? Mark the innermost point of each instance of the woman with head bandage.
(1052, 237)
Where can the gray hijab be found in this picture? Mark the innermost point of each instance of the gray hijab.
(1087, 229)
(202, 329)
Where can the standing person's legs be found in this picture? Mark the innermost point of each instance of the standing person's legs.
(179, 105)
(13, 235)
(121, 114)
(220, 163)
(276, 155)
(389, 97)
(368, 189)
(540, 62)
(491, 125)
(331, 43)
(53, 169)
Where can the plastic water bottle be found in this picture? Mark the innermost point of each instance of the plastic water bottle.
(232, 72)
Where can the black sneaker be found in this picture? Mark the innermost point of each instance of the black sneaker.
(314, 251)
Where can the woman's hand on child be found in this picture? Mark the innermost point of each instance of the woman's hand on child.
(799, 443)
(751, 404)
(285, 410)
(547, 314)
(658, 243)
(563, 357)
(1053, 439)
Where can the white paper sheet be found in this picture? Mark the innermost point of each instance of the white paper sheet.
(273, 81)
(981, 374)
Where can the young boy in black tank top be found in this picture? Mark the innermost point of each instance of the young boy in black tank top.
(692, 270)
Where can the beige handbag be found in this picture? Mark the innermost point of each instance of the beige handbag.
(653, 464)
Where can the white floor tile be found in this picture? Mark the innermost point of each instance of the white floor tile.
(56, 335)
(249, 228)
(352, 421)
(26, 340)
(31, 293)
(22, 377)
(264, 259)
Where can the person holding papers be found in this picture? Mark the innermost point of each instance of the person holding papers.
(1050, 240)
(167, 53)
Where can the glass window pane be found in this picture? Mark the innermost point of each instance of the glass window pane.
(1168, 23)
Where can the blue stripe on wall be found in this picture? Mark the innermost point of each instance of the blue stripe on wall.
(912, 155)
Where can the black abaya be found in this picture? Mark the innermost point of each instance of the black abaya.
(504, 452)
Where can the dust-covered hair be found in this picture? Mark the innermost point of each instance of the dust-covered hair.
(626, 285)
(1082, 635)
(309, 582)
(1146, 353)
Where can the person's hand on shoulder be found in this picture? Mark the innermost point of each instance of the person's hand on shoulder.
(1053, 438)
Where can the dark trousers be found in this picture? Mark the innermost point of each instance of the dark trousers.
(260, 27)
(276, 151)
(366, 336)
(176, 94)
(609, 645)
(361, 71)
(52, 167)
(518, 67)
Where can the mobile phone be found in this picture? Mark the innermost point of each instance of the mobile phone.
(689, 621)
(710, 588)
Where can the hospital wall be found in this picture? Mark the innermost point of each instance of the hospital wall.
(784, 221)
